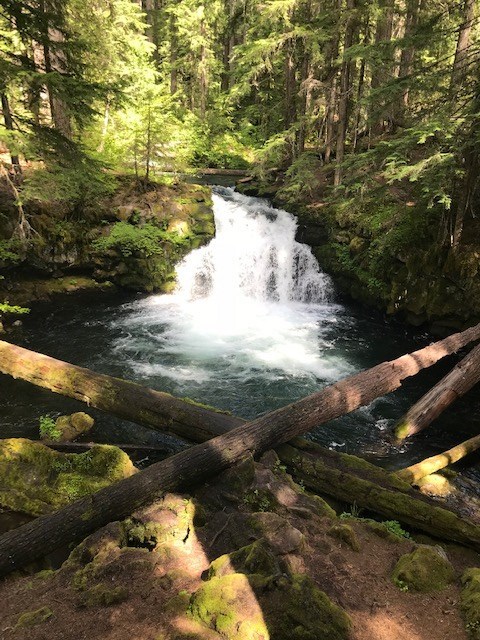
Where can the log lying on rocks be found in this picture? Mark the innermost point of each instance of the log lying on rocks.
(193, 466)
(356, 481)
(417, 471)
(455, 384)
(126, 400)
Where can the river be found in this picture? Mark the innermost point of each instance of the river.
(254, 324)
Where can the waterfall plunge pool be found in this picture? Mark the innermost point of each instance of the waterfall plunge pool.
(254, 324)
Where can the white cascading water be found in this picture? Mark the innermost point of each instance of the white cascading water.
(251, 306)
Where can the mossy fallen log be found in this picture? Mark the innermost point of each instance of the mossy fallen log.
(455, 384)
(127, 400)
(356, 481)
(417, 471)
(195, 465)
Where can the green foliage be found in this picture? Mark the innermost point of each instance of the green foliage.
(6, 308)
(301, 178)
(9, 252)
(48, 429)
(146, 240)
(395, 527)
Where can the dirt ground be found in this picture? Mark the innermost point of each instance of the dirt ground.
(142, 579)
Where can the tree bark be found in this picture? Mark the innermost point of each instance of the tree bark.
(123, 399)
(7, 118)
(193, 466)
(417, 471)
(460, 63)
(454, 385)
(81, 447)
(408, 52)
(356, 481)
(345, 88)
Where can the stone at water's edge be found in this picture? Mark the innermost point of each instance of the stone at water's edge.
(73, 426)
(151, 227)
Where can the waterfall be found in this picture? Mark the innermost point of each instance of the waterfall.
(254, 256)
(252, 315)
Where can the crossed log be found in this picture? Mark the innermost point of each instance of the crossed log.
(188, 468)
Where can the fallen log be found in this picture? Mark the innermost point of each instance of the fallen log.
(356, 481)
(126, 400)
(22, 546)
(455, 384)
(417, 471)
(195, 422)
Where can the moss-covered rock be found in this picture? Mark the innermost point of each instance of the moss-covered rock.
(73, 426)
(255, 558)
(101, 595)
(278, 532)
(470, 602)
(345, 533)
(167, 522)
(228, 605)
(253, 607)
(425, 569)
(32, 618)
(36, 480)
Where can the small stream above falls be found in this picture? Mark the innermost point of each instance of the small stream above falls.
(255, 324)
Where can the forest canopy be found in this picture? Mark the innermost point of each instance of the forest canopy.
(370, 93)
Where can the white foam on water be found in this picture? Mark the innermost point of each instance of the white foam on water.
(253, 302)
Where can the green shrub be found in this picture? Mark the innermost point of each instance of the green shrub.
(129, 240)
(48, 429)
(12, 309)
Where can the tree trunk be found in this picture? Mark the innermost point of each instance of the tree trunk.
(173, 54)
(460, 63)
(193, 466)
(416, 472)
(123, 399)
(355, 481)
(332, 80)
(81, 447)
(382, 73)
(290, 105)
(54, 59)
(7, 117)
(454, 385)
(345, 74)
(408, 51)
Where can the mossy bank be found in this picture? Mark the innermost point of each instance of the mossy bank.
(383, 248)
(131, 237)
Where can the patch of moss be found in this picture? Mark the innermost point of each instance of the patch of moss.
(227, 605)
(102, 596)
(33, 618)
(470, 602)
(425, 569)
(35, 480)
(255, 558)
(345, 533)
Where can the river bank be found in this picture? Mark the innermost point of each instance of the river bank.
(384, 248)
